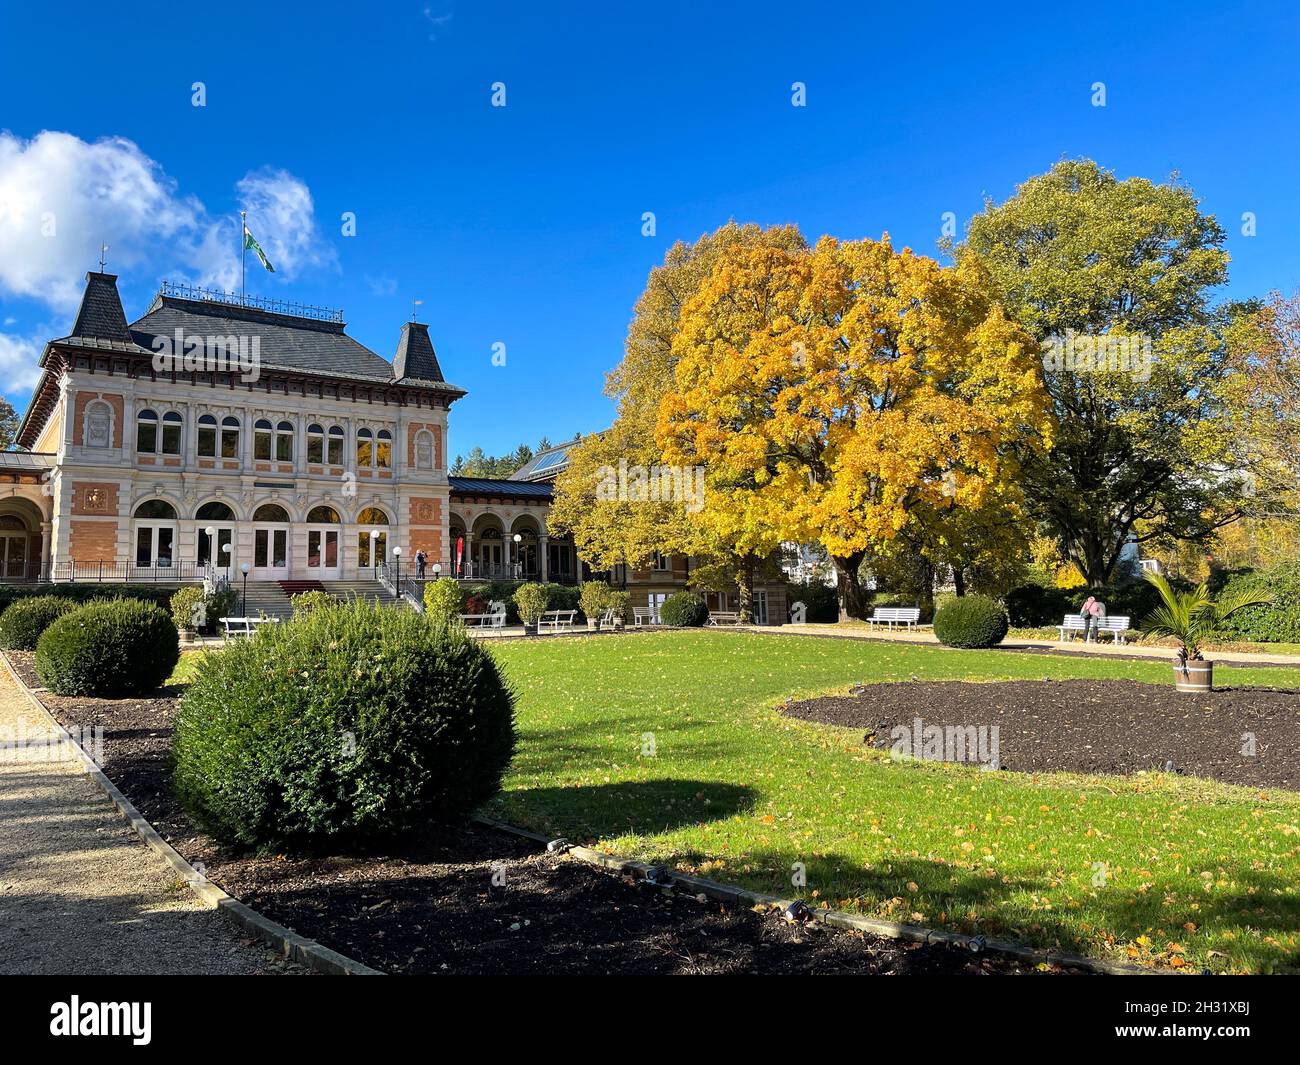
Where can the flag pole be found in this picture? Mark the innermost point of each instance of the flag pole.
(243, 252)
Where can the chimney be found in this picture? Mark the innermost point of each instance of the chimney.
(101, 316)
(415, 358)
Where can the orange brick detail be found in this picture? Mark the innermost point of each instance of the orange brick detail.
(79, 412)
(425, 511)
(93, 497)
(91, 540)
(412, 431)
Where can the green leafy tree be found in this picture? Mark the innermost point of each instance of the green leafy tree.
(9, 422)
(1114, 278)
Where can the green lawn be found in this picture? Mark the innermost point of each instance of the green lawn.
(1188, 869)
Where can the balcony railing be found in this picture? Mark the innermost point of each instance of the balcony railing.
(127, 572)
(473, 572)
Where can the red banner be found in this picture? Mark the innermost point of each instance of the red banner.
(460, 548)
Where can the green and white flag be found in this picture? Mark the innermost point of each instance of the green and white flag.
(250, 242)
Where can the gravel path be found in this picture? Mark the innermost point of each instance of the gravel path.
(80, 893)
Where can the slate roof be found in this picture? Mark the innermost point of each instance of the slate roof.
(488, 486)
(101, 322)
(415, 359)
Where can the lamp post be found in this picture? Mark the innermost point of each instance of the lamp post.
(225, 550)
(437, 569)
(244, 570)
(519, 569)
(211, 533)
(397, 555)
(374, 543)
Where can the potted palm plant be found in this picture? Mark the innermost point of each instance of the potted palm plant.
(1190, 618)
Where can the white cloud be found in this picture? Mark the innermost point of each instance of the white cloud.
(18, 368)
(61, 197)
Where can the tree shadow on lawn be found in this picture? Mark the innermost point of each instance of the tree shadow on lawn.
(917, 891)
(643, 807)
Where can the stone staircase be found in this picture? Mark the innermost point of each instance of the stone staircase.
(369, 591)
(264, 597)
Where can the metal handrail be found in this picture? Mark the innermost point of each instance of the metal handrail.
(101, 570)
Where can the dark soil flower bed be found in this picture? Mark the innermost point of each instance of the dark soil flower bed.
(432, 907)
(1085, 726)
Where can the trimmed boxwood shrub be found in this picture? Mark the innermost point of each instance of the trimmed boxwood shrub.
(22, 624)
(684, 610)
(342, 727)
(315, 599)
(971, 621)
(110, 649)
(443, 600)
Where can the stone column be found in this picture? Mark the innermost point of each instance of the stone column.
(545, 561)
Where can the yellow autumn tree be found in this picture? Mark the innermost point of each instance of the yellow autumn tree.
(834, 394)
(611, 530)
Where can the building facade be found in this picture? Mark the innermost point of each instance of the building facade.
(216, 435)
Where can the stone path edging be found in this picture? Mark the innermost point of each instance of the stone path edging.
(837, 918)
(293, 946)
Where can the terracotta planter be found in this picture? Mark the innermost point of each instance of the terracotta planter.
(1196, 676)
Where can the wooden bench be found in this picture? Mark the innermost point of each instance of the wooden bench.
(643, 615)
(244, 626)
(724, 617)
(557, 620)
(907, 616)
(1118, 626)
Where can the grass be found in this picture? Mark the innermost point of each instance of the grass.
(667, 746)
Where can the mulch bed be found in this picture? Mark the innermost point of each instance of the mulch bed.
(433, 907)
(1085, 726)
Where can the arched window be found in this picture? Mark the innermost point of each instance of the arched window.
(98, 429)
(323, 515)
(263, 442)
(271, 512)
(372, 516)
(365, 449)
(156, 508)
(214, 511)
(284, 442)
(424, 450)
(384, 450)
(229, 438)
(336, 446)
(146, 432)
(208, 436)
(315, 443)
(171, 433)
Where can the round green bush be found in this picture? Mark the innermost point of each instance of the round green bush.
(971, 621)
(22, 624)
(108, 649)
(340, 728)
(684, 610)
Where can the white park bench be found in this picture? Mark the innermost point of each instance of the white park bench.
(907, 616)
(607, 619)
(643, 615)
(724, 617)
(244, 626)
(495, 618)
(557, 620)
(1118, 627)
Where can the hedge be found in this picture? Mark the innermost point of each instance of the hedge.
(24, 622)
(972, 621)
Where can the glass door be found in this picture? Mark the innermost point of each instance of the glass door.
(323, 554)
(220, 554)
(270, 553)
(154, 546)
(13, 557)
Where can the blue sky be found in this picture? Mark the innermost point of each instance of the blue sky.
(522, 225)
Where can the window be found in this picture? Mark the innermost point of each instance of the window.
(214, 512)
(146, 432)
(230, 438)
(323, 515)
(271, 512)
(156, 508)
(171, 433)
(365, 449)
(263, 441)
(336, 446)
(384, 450)
(155, 533)
(284, 442)
(424, 450)
(315, 443)
(208, 436)
(98, 430)
(661, 563)
(372, 544)
(372, 516)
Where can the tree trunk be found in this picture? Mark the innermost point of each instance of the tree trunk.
(959, 580)
(853, 600)
(746, 585)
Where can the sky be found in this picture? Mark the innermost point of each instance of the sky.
(524, 225)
